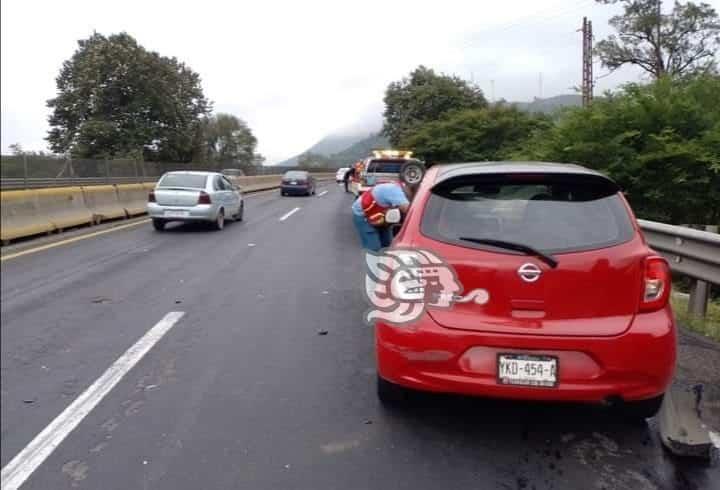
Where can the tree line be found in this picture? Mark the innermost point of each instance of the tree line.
(659, 140)
(115, 100)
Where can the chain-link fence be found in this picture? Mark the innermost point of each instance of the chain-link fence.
(26, 171)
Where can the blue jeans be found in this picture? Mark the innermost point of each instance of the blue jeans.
(371, 237)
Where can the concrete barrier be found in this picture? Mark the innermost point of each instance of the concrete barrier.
(31, 212)
(64, 207)
(133, 197)
(21, 216)
(103, 202)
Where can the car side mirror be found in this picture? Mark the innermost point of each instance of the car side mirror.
(393, 216)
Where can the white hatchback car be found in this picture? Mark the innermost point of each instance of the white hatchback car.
(340, 174)
(193, 197)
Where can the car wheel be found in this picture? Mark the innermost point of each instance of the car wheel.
(241, 211)
(219, 222)
(640, 410)
(391, 394)
(282, 193)
(158, 224)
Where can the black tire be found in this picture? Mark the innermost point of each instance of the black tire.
(640, 410)
(240, 213)
(282, 193)
(391, 394)
(158, 224)
(219, 222)
(412, 173)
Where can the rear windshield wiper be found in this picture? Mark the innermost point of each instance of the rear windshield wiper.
(548, 259)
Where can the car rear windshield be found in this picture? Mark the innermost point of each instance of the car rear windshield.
(196, 181)
(385, 166)
(295, 175)
(552, 213)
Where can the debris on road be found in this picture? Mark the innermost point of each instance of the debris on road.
(101, 299)
(682, 429)
(322, 332)
(29, 400)
(178, 301)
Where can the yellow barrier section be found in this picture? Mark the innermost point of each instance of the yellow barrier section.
(64, 207)
(103, 202)
(133, 198)
(31, 212)
(21, 216)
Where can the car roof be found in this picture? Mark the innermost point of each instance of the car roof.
(451, 170)
(193, 172)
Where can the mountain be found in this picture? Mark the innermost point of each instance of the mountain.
(367, 124)
(329, 145)
(360, 150)
(551, 104)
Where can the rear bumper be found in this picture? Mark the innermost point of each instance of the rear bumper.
(199, 212)
(296, 190)
(636, 365)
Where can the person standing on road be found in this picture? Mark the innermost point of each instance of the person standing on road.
(369, 213)
(348, 175)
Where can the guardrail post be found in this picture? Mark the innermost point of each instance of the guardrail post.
(25, 171)
(700, 290)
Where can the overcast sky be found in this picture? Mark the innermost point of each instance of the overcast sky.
(298, 70)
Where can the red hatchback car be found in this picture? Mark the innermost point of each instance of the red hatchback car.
(574, 302)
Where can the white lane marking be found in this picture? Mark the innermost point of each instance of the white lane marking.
(288, 214)
(322, 193)
(27, 461)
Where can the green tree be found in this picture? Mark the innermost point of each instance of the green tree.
(474, 135)
(684, 41)
(425, 96)
(660, 142)
(226, 139)
(115, 98)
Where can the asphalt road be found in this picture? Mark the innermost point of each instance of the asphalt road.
(243, 392)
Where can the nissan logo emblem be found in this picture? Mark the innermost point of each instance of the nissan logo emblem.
(529, 272)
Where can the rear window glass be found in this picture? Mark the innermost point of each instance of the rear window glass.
(183, 180)
(385, 166)
(549, 213)
(295, 175)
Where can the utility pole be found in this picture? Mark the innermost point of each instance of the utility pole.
(587, 67)
(658, 48)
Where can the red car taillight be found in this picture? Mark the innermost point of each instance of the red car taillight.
(204, 198)
(151, 196)
(656, 284)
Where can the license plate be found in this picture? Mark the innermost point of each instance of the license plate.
(527, 370)
(177, 214)
(293, 182)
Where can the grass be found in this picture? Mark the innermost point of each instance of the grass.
(708, 326)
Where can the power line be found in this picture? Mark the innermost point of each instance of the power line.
(537, 19)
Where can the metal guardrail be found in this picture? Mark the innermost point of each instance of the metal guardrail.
(40, 183)
(691, 252)
(36, 183)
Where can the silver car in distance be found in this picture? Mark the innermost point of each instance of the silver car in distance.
(193, 197)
